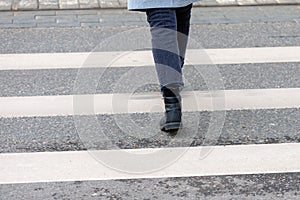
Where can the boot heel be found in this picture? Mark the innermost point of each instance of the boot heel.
(172, 119)
(174, 126)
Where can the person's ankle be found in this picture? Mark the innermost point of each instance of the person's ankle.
(171, 90)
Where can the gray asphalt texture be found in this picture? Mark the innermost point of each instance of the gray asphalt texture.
(40, 134)
(212, 28)
(239, 35)
(62, 81)
(241, 187)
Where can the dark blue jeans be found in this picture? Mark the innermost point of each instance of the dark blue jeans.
(169, 31)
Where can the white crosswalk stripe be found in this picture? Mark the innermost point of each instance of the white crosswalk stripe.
(140, 103)
(144, 58)
(80, 166)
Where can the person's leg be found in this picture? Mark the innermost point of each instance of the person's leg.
(165, 51)
(183, 16)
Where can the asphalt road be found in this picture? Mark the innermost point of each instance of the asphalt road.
(50, 134)
(217, 35)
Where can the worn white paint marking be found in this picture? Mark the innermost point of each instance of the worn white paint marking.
(144, 58)
(117, 103)
(80, 166)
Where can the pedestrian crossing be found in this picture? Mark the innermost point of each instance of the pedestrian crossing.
(63, 105)
(35, 167)
(81, 166)
(144, 58)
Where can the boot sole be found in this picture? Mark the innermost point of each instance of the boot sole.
(169, 127)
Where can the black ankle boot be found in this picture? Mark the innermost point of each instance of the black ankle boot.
(172, 119)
